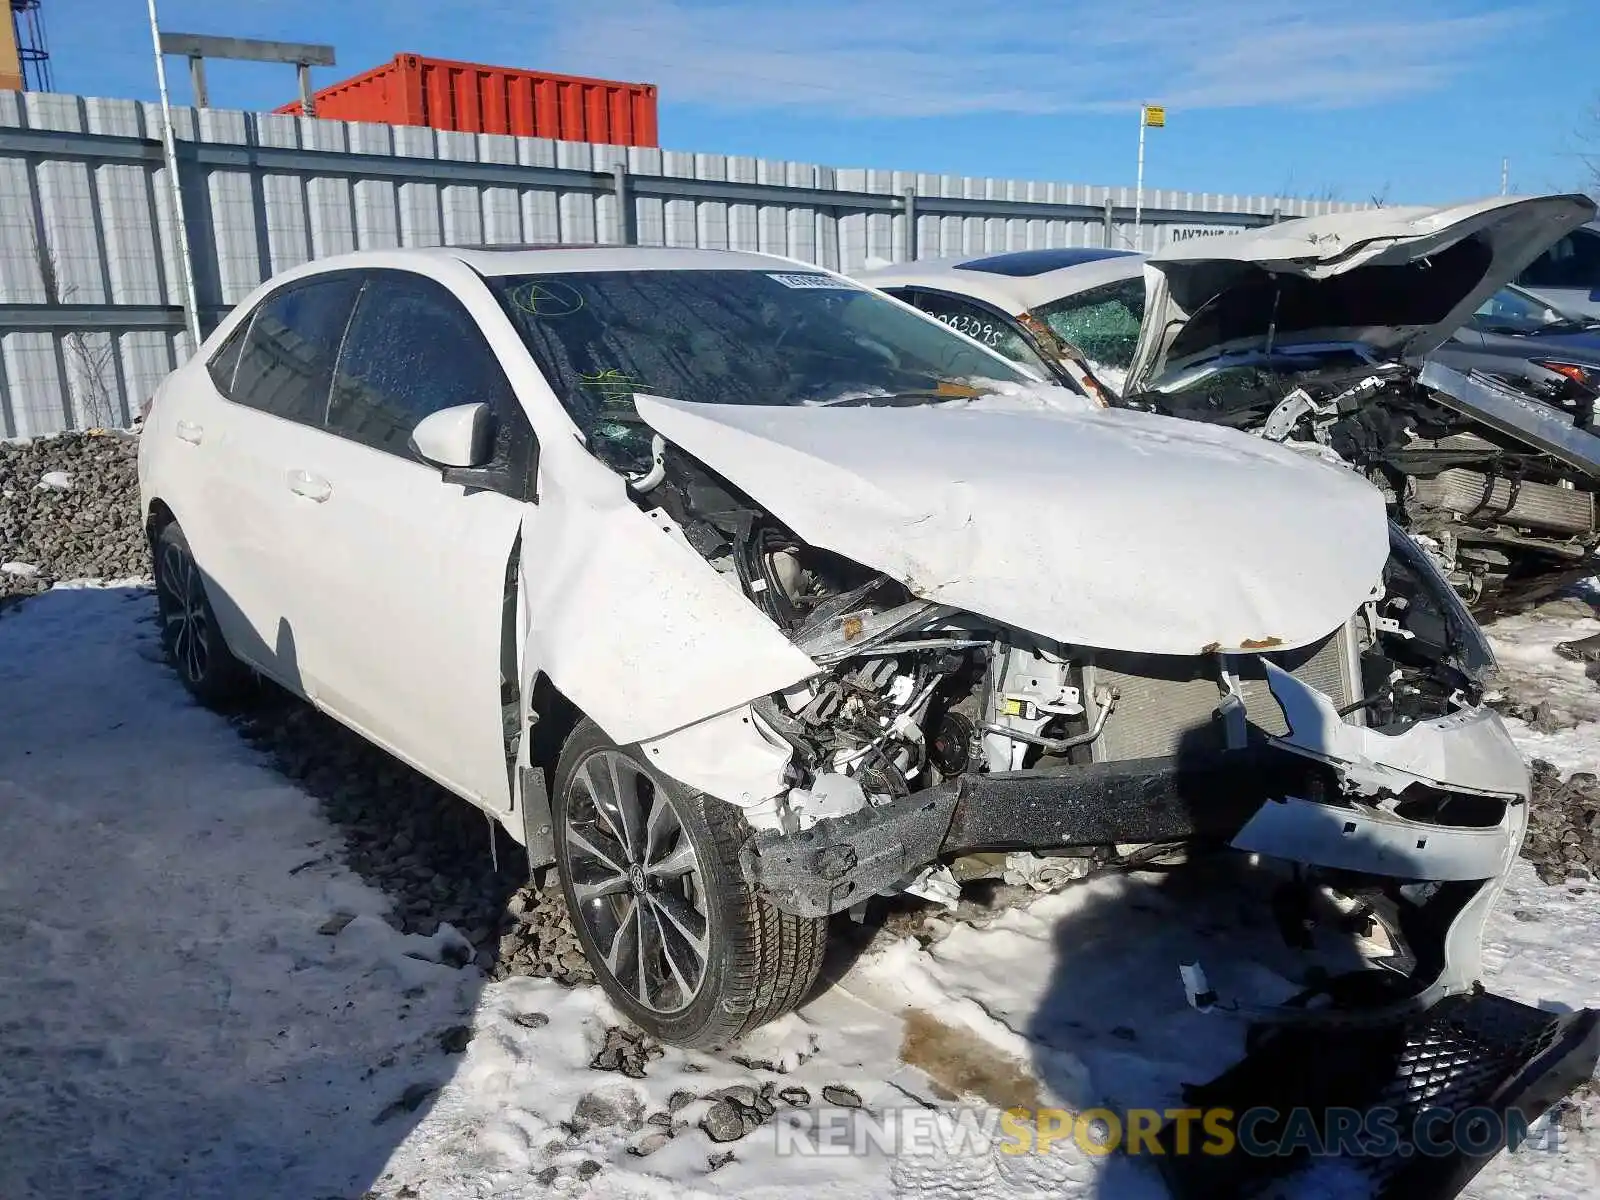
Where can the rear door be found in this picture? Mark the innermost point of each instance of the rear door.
(269, 392)
(412, 642)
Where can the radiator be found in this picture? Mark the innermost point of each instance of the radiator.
(1167, 705)
(1529, 505)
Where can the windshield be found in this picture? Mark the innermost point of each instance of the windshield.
(734, 337)
(1512, 310)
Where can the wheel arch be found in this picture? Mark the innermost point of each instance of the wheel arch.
(551, 718)
(156, 518)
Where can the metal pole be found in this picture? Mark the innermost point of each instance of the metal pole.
(1138, 190)
(1110, 217)
(910, 199)
(1505, 176)
(191, 309)
(197, 81)
(619, 183)
(308, 102)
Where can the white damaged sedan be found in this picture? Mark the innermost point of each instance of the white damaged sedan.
(741, 593)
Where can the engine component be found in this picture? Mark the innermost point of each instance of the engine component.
(950, 747)
(1166, 706)
(1501, 481)
(1484, 499)
(830, 795)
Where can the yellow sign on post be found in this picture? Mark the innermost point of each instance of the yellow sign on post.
(1155, 115)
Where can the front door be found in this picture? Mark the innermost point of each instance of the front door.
(409, 573)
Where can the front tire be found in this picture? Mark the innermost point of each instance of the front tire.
(650, 870)
(190, 634)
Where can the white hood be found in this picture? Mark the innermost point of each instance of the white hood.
(1399, 280)
(1112, 529)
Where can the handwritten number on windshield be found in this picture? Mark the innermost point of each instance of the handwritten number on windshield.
(986, 332)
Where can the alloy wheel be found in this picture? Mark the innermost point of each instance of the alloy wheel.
(184, 626)
(638, 884)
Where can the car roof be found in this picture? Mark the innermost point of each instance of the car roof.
(537, 258)
(1014, 281)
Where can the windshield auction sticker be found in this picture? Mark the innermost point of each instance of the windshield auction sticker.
(815, 281)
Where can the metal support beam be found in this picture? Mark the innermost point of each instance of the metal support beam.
(65, 318)
(199, 45)
(308, 102)
(910, 201)
(626, 235)
(197, 81)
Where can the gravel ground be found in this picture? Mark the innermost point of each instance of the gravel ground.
(69, 510)
(1563, 824)
(427, 848)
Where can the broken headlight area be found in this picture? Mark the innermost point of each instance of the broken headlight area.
(1112, 749)
(1498, 482)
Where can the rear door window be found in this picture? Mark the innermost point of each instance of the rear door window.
(286, 361)
(981, 323)
(413, 349)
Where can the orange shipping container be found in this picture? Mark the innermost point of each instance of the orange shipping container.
(472, 98)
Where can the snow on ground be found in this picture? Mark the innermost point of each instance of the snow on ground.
(195, 1004)
(172, 1022)
(1565, 694)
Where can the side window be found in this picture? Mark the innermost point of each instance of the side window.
(412, 350)
(286, 361)
(1573, 262)
(225, 361)
(993, 329)
(1103, 322)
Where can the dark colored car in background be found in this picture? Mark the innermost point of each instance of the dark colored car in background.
(1531, 343)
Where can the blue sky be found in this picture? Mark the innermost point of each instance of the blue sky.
(1410, 100)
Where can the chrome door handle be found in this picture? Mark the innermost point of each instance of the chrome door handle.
(188, 431)
(312, 487)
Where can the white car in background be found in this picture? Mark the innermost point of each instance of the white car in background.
(742, 593)
(1320, 331)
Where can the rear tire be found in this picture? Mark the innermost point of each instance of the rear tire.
(650, 871)
(190, 634)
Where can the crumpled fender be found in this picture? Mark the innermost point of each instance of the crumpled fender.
(639, 631)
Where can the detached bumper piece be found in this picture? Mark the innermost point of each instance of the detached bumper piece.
(1418, 1106)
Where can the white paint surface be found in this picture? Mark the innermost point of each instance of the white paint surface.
(1106, 528)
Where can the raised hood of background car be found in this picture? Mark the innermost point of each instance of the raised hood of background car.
(1113, 529)
(1398, 280)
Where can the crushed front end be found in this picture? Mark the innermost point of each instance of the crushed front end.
(1364, 769)
(934, 745)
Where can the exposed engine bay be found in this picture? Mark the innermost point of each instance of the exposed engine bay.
(914, 696)
(1498, 485)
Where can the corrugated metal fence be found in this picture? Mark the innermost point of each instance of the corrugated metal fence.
(90, 286)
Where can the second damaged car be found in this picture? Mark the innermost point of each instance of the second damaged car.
(740, 593)
(1329, 332)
